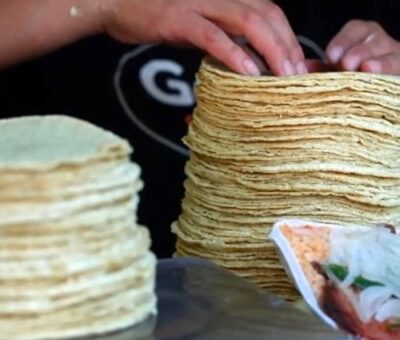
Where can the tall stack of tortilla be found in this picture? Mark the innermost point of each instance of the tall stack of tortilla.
(321, 146)
(73, 260)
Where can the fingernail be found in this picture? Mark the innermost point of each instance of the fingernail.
(374, 66)
(301, 68)
(335, 54)
(251, 68)
(288, 68)
(351, 63)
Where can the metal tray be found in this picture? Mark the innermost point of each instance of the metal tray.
(199, 300)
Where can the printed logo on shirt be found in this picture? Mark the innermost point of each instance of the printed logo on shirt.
(154, 84)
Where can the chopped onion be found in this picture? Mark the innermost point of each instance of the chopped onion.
(390, 309)
(372, 299)
(374, 255)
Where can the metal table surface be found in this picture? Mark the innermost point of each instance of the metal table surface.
(199, 300)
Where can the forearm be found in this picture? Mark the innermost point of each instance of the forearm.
(33, 27)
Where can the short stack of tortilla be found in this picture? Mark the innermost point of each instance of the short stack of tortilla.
(321, 146)
(73, 260)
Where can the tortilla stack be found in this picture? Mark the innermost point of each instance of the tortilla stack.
(74, 261)
(321, 146)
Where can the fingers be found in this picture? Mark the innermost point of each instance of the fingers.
(209, 37)
(364, 46)
(386, 64)
(373, 46)
(209, 25)
(353, 33)
(282, 27)
(261, 30)
(262, 67)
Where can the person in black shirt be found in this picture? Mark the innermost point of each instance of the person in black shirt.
(155, 82)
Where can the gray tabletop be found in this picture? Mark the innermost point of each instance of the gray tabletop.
(198, 300)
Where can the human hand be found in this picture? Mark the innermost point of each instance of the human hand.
(209, 25)
(364, 46)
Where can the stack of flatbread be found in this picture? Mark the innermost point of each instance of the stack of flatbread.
(321, 146)
(73, 260)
